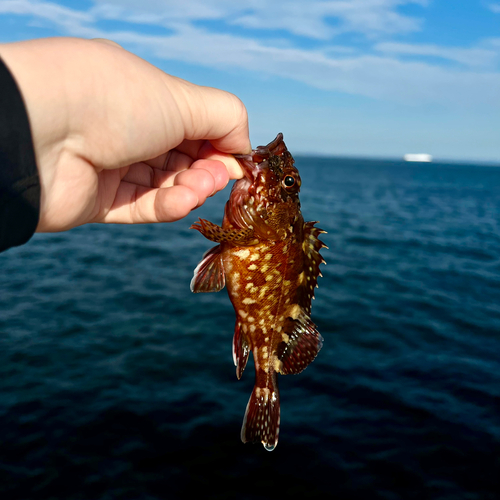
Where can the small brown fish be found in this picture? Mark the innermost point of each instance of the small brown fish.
(269, 259)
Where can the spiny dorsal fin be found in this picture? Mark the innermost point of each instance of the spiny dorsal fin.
(312, 260)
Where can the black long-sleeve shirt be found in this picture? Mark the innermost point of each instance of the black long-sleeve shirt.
(19, 181)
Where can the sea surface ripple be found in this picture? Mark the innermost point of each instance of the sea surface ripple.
(117, 382)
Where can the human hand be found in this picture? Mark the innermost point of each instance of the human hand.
(116, 139)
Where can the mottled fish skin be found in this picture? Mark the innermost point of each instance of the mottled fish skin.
(269, 259)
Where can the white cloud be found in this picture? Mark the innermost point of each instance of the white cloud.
(371, 76)
(44, 10)
(317, 19)
(313, 19)
(382, 76)
(161, 12)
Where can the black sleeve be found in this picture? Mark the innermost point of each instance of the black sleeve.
(19, 182)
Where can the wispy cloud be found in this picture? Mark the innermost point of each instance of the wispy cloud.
(372, 76)
(480, 57)
(384, 72)
(70, 20)
(317, 19)
(494, 7)
(314, 19)
(45, 10)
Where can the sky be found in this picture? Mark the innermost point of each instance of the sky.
(362, 78)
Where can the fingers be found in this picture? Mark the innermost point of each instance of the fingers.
(199, 181)
(174, 203)
(178, 193)
(140, 205)
(200, 174)
(200, 149)
(218, 171)
(212, 114)
(208, 152)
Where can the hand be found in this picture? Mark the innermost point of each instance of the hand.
(116, 139)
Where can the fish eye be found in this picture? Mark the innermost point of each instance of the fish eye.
(289, 181)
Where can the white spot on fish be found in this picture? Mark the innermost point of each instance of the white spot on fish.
(277, 364)
(243, 253)
(295, 311)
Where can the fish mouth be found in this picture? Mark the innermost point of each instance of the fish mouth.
(257, 160)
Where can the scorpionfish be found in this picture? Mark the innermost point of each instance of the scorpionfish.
(268, 258)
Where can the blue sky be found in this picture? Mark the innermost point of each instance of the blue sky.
(343, 77)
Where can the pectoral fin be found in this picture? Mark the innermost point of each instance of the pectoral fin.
(209, 273)
(213, 232)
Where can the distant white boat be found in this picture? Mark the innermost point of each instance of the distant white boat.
(417, 157)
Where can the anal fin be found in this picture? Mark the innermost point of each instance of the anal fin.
(209, 274)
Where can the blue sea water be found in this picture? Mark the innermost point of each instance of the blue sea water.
(117, 383)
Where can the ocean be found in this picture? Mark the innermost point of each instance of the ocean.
(116, 382)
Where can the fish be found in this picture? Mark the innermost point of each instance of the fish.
(269, 260)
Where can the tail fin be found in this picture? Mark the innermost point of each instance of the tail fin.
(262, 417)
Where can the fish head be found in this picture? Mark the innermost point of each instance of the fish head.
(267, 197)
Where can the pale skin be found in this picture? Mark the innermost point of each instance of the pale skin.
(116, 139)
